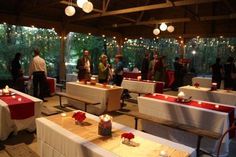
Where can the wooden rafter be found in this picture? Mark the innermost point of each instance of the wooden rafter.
(232, 10)
(146, 8)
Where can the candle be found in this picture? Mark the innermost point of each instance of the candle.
(6, 90)
(163, 154)
(63, 114)
(13, 96)
(112, 86)
(105, 125)
(77, 81)
(199, 102)
(217, 106)
(181, 95)
(139, 78)
(154, 94)
(166, 97)
(19, 99)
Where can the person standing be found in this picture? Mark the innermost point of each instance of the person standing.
(103, 69)
(84, 66)
(38, 70)
(229, 73)
(153, 66)
(145, 65)
(160, 69)
(16, 67)
(118, 70)
(217, 70)
(179, 74)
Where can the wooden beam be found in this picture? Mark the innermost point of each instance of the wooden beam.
(41, 6)
(108, 1)
(228, 5)
(148, 7)
(179, 20)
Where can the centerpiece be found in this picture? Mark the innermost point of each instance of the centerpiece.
(213, 86)
(93, 81)
(6, 90)
(126, 137)
(196, 85)
(105, 125)
(182, 98)
(79, 117)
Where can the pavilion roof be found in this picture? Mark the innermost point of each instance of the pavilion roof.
(127, 18)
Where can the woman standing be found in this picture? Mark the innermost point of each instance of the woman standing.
(103, 69)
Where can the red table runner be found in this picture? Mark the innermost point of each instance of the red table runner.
(19, 109)
(205, 105)
(159, 85)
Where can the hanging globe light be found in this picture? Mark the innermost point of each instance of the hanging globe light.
(163, 27)
(170, 28)
(87, 7)
(80, 3)
(70, 10)
(156, 31)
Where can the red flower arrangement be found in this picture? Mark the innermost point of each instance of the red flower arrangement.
(128, 136)
(196, 84)
(79, 116)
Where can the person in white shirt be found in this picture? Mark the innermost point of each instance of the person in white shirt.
(39, 71)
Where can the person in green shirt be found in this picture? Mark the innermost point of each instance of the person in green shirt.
(103, 70)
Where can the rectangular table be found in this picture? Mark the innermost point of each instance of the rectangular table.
(193, 115)
(131, 74)
(219, 96)
(8, 125)
(205, 82)
(143, 86)
(108, 97)
(58, 136)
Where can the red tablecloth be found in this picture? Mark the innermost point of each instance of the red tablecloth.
(159, 85)
(51, 84)
(204, 105)
(131, 74)
(19, 109)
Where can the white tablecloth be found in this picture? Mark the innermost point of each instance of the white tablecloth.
(55, 141)
(139, 86)
(71, 77)
(109, 99)
(7, 125)
(198, 117)
(219, 96)
(205, 82)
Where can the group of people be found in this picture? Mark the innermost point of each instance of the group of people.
(226, 72)
(105, 73)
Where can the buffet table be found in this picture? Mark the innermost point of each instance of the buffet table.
(59, 136)
(143, 86)
(108, 96)
(18, 112)
(218, 96)
(205, 82)
(206, 115)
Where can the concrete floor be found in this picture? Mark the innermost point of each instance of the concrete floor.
(52, 104)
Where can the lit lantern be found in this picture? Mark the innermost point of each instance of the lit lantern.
(87, 7)
(105, 125)
(163, 27)
(170, 28)
(70, 10)
(80, 3)
(156, 31)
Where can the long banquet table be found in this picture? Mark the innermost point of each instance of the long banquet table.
(108, 97)
(205, 115)
(143, 86)
(218, 96)
(20, 120)
(205, 82)
(59, 136)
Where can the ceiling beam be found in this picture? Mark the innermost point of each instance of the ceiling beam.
(179, 20)
(146, 8)
(226, 2)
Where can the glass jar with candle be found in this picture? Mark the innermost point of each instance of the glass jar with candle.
(105, 125)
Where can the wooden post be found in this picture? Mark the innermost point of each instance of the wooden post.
(120, 43)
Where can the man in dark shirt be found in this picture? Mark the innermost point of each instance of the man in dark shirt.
(179, 74)
(145, 66)
(217, 72)
(16, 67)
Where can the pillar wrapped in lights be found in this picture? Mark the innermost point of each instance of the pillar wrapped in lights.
(156, 31)
(163, 27)
(70, 10)
(170, 28)
(80, 3)
(87, 7)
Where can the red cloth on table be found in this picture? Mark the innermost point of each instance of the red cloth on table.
(19, 109)
(159, 85)
(205, 105)
(131, 75)
(51, 84)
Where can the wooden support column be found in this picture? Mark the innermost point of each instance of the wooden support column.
(120, 43)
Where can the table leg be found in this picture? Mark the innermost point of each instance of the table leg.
(85, 107)
(198, 145)
(136, 123)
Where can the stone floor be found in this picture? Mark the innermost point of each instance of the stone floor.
(52, 104)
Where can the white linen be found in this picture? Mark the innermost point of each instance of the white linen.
(109, 99)
(139, 86)
(218, 96)
(7, 125)
(205, 82)
(55, 141)
(184, 114)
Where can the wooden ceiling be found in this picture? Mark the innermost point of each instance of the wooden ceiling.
(127, 18)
